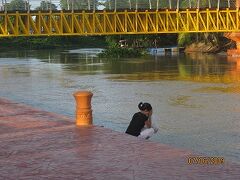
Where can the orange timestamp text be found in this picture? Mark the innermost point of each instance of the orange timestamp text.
(205, 160)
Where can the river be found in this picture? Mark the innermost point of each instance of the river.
(195, 97)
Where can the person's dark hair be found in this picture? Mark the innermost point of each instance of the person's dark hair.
(144, 106)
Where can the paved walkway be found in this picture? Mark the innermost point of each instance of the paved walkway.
(40, 145)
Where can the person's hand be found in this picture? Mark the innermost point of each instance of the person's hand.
(150, 113)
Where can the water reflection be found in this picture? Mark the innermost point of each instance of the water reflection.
(191, 67)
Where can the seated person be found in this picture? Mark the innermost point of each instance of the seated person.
(141, 123)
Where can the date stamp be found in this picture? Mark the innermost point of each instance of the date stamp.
(193, 160)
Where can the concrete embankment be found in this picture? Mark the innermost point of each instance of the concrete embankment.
(40, 145)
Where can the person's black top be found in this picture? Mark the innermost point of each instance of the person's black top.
(136, 124)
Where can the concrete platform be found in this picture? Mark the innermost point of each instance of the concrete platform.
(42, 145)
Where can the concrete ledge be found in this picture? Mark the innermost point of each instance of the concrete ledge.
(42, 145)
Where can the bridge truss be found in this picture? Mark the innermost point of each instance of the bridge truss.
(118, 21)
(117, 4)
(112, 22)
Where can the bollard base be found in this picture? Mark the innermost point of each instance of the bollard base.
(84, 117)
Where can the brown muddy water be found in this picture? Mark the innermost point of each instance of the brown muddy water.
(195, 97)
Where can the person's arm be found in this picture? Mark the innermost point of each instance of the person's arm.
(148, 123)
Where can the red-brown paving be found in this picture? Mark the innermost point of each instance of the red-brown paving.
(35, 144)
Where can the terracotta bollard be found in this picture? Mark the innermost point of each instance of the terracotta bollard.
(83, 107)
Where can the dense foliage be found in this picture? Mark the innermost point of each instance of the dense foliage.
(116, 52)
(136, 45)
(131, 4)
(46, 5)
(83, 5)
(16, 5)
(51, 42)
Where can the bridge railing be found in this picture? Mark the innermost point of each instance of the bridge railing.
(14, 5)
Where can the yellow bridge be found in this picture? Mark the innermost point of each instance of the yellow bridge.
(86, 23)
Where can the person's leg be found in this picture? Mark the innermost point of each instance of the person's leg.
(146, 133)
(155, 127)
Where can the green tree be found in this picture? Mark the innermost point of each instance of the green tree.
(78, 4)
(46, 6)
(205, 3)
(17, 5)
(136, 4)
(126, 4)
(185, 39)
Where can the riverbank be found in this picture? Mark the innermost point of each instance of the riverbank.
(208, 48)
(37, 43)
(39, 144)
